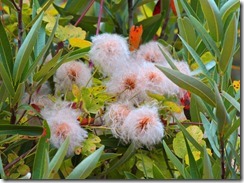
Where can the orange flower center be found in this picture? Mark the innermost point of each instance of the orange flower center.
(62, 130)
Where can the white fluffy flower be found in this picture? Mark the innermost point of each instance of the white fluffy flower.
(109, 52)
(126, 85)
(116, 115)
(155, 80)
(73, 72)
(151, 52)
(143, 126)
(62, 121)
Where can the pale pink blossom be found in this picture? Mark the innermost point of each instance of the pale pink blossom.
(73, 72)
(109, 52)
(143, 127)
(63, 123)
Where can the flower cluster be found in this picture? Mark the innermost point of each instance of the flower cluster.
(62, 120)
(134, 117)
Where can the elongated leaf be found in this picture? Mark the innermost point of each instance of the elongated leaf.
(188, 8)
(210, 65)
(232, 100)
(3, 92)
(84, 168)
(21, 130)
(234, 127)
(210, 135)
(47, 67)
(43, 52)
(19, 93)
(107, 156)
(191, 84)
(221, 113)
(187, 33)
(57, 160)
(207, 166)
(2, 173)
(129, 175)
(7, 80)
(150, 27)
(189, 137)
(206, 38)
(193, 166)
(195, 56)
(213, 18)
(40, 161)
(157, 173)
(229, 45)
(6, 57)
(75, 7)
(25, 50)
(174, 160)
(229, 7)
(127, 155)
(168, 58)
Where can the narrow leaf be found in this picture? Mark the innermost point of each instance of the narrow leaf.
(40, 161)
(2, 173)
(57, 160)
(229, 45)
(207, 166)
(229, 7)
(157, 173)
(129, 175)
(85, 168)
(191, 84)
(7, 80)
(234, 127)
(209, 134)
(25, 50)
(19, 93)
(21, 130)
(174, 160)
(213, 18)
(168, 58)
(232, 100)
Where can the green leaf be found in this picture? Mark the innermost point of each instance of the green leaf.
(57, 160)
(127, 155)
(232, 100)
(229, 7)
(193, 166)
(42, 53)
(191, 84)
(6, 57)
(207, 166)
(188, 33)
(229, 44)
(19, 93)
(206, 38)
(7, 80)
(234, 127)
(222, 115)
(4, 93)
(75, 7)
(25, 50)
(157, 173)
(210, 135)
(40, 161)
(108, 156)
(129, 175)
(213, 18)
(188, 8)
(168, 58)
(150, 27)
(2, 173)
(195, 56)
(85, 168)
(175, 160)
(21, 130)
(77, 54)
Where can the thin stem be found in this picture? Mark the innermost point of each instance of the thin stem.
(18, 159)
(13, 114)
(83, 14)
(222, 151)
(186, 123)
(20, 23)
(130, 12)
(99, 17)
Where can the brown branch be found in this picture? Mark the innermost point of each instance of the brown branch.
(130, 12)
(99, 17)
(83, 14)
(18, 159)
(222, 150)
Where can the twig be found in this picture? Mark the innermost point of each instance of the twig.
(99, 17)
(18, 159)
(83, 14)
(222, 150)
(130, 12)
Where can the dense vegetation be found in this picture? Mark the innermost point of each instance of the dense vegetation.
(112, 89)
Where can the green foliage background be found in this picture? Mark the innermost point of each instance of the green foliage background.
(204, 33)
